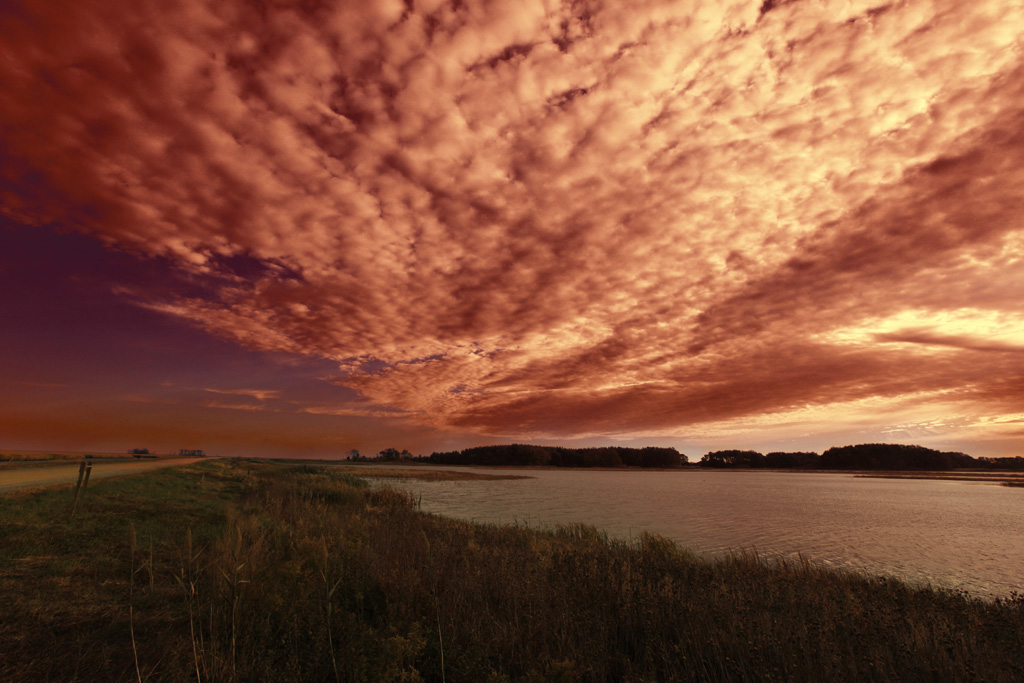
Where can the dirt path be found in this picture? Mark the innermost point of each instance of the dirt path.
(48, 476)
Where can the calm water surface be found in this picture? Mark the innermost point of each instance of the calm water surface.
(945, 533)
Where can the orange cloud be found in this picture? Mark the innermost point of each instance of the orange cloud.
(545, 218)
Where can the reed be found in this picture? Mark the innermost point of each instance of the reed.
(133, 545)
(266, 572)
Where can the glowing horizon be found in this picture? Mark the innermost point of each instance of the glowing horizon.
(776, 225)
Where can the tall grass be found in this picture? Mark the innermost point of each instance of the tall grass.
(262, 572)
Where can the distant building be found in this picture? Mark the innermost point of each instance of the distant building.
(194, 453)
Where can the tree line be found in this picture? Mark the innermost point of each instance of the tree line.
(871, 456)
(558, 456)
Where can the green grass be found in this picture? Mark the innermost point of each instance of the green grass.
(244, 571)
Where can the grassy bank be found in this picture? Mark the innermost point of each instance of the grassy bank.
(238, 571)
(420, 472)
(984, 477)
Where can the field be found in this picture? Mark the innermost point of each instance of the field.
(20, 458)
(249, 571)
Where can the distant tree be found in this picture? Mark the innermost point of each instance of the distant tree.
(733, 459)
(389, 454)
(1015, 463)
(557, 456)
(446, 458)
(139, 451)
(353, 455)
(586, 457)
(887, 456)
(661, 457)
(780, 460)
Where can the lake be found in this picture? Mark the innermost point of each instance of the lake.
(953, 534)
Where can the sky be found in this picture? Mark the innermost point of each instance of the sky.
(274, 228)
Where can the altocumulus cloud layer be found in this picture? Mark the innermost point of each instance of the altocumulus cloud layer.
(560, 218)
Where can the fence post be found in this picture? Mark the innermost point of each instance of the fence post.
(78, 487)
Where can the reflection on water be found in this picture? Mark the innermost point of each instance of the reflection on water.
(947, 533)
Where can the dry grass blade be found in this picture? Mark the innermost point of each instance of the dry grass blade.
(268, 545)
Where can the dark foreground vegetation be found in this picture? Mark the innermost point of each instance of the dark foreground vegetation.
(241, 571)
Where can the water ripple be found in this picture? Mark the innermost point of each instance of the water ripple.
(944, 533)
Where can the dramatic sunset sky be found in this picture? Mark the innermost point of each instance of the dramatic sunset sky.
(265, 227)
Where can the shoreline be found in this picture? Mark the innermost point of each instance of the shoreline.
(983, 476)
(300, 571)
